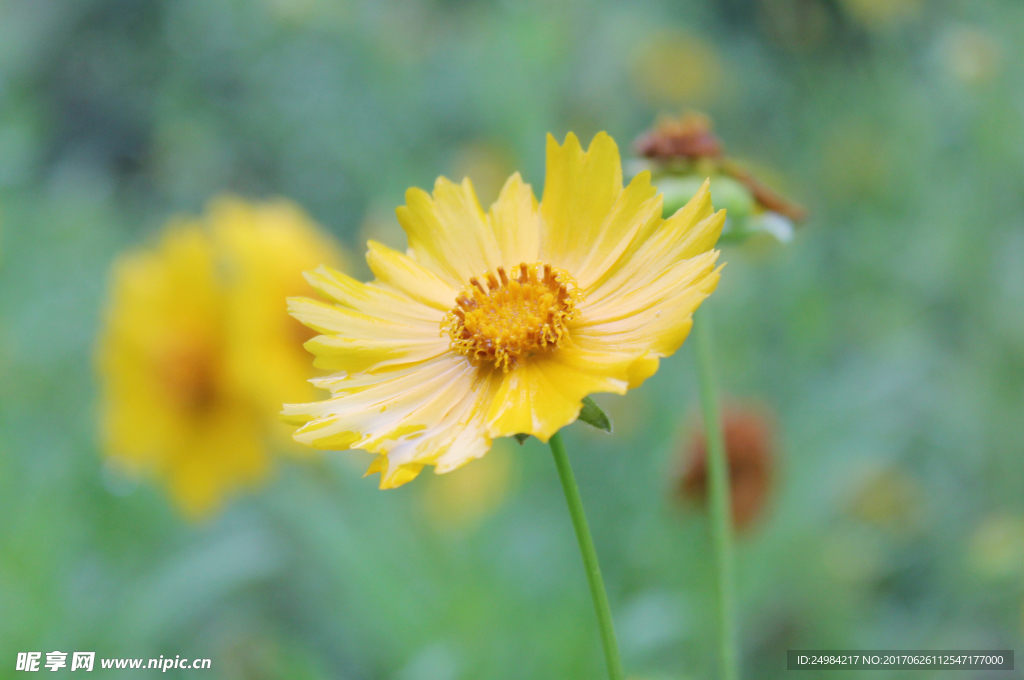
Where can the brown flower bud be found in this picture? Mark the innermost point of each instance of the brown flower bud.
(688, 137)
(687, 145)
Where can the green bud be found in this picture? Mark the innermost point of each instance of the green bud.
(725, 193)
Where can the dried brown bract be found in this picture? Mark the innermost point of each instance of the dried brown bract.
(763, 196)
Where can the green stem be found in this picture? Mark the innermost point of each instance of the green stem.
(597, 592)
(720, 504)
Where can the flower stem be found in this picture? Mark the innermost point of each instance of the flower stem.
(597, 592)
(719, 501)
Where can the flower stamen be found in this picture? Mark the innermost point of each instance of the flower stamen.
(516, 315)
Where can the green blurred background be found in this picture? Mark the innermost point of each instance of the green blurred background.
(888, 337)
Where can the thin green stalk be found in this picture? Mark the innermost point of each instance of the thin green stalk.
(597, 592)
(719, 501)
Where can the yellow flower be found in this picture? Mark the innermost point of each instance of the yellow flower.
(186, 322)
(501, 322)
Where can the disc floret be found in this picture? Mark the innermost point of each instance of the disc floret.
(508, 317)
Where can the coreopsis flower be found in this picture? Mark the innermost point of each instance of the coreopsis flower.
(186, 323)
(499, 323)
(750, 450)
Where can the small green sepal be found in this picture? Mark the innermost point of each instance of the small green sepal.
(592, 415)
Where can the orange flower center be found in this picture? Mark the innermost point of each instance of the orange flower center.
(189, 373)
(513, 316)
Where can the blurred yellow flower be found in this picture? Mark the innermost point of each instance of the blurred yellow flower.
(264, 251)
(888, 498)
(672, 68)
(470, 497)
(501, 322)
(185, 324)
(996, 547)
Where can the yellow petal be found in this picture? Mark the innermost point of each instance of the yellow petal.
(545, 393)
(411, 417)
(448, 233)
(644, 305)
(579, 192)
(649, 264)
(516, 223)
(404, 274)
(642, 369)
(695, 227)
(647, 291)
(652, 322)
(692, 230)
(352, 341)
(398, 475)
(371, 298)
(635, 215)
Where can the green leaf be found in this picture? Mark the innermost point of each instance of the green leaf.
(521, 438)
(592, 414)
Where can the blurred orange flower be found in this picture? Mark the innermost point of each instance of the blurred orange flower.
(750, 450)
